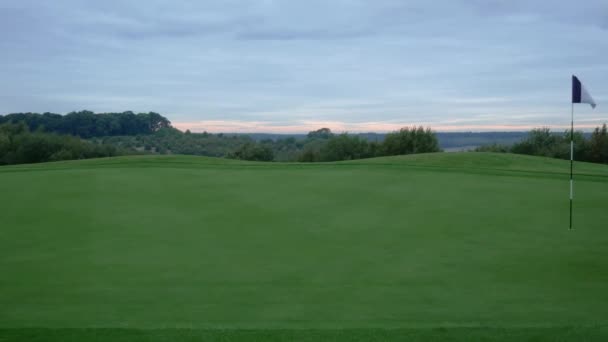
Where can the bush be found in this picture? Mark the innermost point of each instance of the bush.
(543, 142)
(408, 141)
(18, 145)
(254, 151)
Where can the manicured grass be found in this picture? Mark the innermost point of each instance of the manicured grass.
(555, 334)
(469, 246)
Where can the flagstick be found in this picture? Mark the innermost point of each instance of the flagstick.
(571, 160)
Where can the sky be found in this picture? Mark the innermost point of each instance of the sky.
(294, 66)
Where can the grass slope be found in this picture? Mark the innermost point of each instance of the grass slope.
(468, 246)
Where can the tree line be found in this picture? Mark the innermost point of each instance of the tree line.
(18, 145)
(322, 145)
(318, 146)
(173, 141)
(86, 124)
(543, 142)
(33, 138)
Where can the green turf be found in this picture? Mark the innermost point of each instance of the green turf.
(469, 245)
(555, 334)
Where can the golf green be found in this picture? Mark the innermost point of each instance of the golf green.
(464, 246)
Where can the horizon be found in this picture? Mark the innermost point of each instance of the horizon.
(262, 128)
(256, 127)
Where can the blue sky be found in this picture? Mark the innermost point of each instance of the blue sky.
(292, 66)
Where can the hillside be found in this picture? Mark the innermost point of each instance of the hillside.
(466, 162)
(461, 245)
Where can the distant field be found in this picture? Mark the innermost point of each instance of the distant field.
(447, 246)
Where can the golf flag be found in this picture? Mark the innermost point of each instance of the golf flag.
(580, 94)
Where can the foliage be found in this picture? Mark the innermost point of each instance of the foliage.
(317, 146)
(408, 141)
(18, 145)
(323, 133)
(322, 145)
(253, 151)
(152, 133)
(598, 146)
(87, 124)
(543, 142)
(172, 141)
(344, 147)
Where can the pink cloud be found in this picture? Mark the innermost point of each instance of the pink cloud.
(240, 126)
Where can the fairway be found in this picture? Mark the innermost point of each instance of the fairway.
(462, 245)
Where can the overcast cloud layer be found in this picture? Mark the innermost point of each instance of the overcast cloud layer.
(292, 66)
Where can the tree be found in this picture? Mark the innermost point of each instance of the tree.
(323, 133)
(308, 156)
(542, 142)
(344, 147)
(87, 124)
(408, 141)
(253, 151)
(18, 145)
(598, 145)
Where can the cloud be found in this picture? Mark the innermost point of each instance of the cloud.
(347, 63)
(283, 34)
